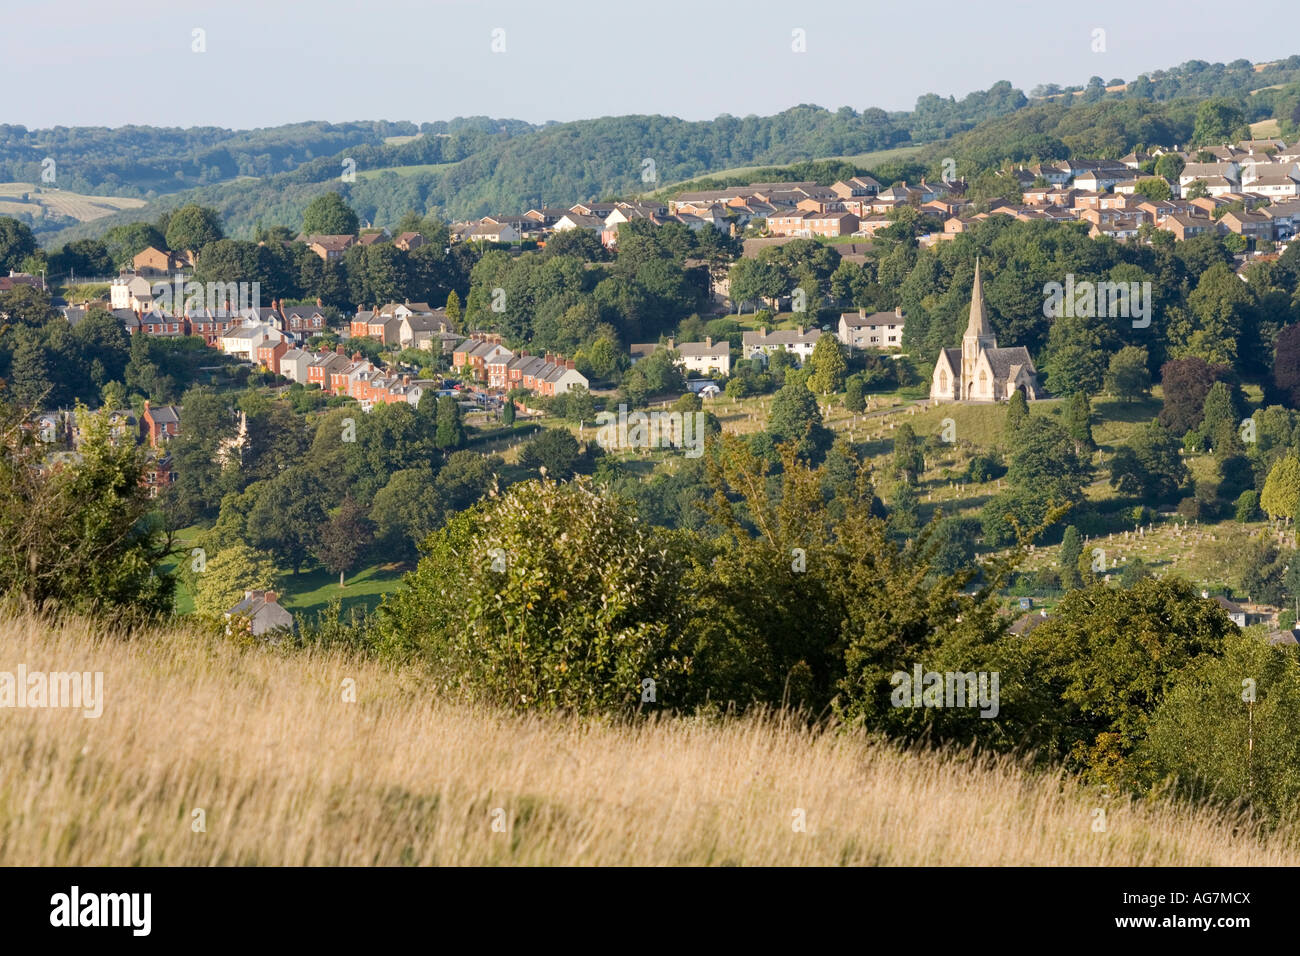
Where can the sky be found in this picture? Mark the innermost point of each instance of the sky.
(256, 63)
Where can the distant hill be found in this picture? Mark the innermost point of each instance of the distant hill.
(473, 166)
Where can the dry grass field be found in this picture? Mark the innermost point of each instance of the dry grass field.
(44, 201)
(286, 770)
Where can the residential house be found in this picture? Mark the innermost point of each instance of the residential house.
(704, 358)
(492, 232)
(294, 363)
(880, 330)
(330, 248)
(322, 369)
(799, 342)
(159, 262)
(1281, 185)
(407, 241)
(431, 332)
(242, 342)
(576, 220)
(1252, 225)
(132, 292)
(260, 614)
(160, 424)
(471, 355)
(159, 474)
(269, 354)
(806, 224)
(1185, 227)
(855, 188)
(307, 320)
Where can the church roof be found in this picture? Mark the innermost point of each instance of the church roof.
(979, 315)
(1005, 361)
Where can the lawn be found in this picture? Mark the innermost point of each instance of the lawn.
(404, 170)
(309, 591)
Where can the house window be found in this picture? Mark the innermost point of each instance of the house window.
(943, 380)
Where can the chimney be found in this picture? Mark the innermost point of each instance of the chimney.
(672, 343)
(319, 303)
(356, 356)
(898, 311)
(801, 331)
(248, 595)
(568, 363)
(708, 341)
(763, 332)
(338, 349)
(269, 597)
(406, 380)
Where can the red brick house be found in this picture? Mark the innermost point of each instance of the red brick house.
(161, 423)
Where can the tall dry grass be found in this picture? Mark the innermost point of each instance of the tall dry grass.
(287, 772)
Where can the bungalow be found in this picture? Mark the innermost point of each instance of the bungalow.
(577, 220)
(880, 330)
(492, 232)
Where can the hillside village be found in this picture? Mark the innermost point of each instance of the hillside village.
(956, 445)
(1247, 192)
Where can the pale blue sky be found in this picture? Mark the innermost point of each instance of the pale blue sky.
(114, 62)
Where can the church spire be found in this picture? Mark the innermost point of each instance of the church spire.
(978, 326)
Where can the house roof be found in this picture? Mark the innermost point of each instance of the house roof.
(331, 243)
(781, 337)
(1027, 622)
(265, 615)
(704, 349)
(1232, 607)
(165, 415)
(856, 320)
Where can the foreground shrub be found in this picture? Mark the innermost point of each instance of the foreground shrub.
(551, 596)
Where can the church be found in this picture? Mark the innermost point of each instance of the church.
(979, 371)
